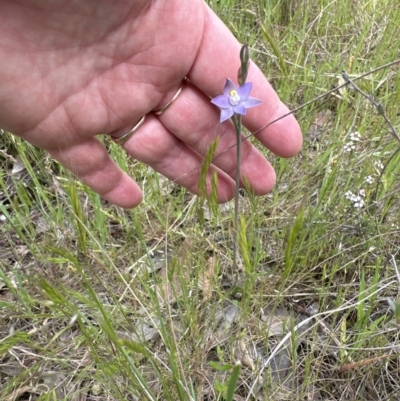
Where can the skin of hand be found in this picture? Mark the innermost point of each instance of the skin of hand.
(75, 69)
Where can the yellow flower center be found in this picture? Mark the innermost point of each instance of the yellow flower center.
(234, 97)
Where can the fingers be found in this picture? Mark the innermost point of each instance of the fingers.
(90, 162)
(154, 145)
(218, 59)
(195, 121)
(174, 144)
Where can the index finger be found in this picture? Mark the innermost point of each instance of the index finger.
(218, 59)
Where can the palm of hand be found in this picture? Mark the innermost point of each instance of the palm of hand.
(93, 70)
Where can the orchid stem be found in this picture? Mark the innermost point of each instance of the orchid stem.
(237, 121)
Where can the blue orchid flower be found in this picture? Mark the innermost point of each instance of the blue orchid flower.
(235, 100)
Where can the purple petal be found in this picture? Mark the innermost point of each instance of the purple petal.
(239, 109)
(221, 101)
(244, 90)
(229, 86)
(226, 114)
(251, 102)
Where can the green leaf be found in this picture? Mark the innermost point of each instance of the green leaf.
(222, 367)
(233, 381)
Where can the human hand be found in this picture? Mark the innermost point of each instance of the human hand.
(71, 70)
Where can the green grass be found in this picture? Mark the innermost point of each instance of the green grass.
(109, 304)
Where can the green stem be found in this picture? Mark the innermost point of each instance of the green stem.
(237, 121)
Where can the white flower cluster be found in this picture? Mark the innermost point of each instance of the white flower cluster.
(379, 165)
(350, 145)
(357, 200)
(369, 179)
(355, 136)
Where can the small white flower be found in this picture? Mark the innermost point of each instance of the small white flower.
(369, 179)
(379, 165)
(355, 136)
(356, 200)
(359, 204)
(348, 195)
(349, 146)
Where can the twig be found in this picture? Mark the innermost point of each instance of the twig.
(396, 268)
(354, 365)
(379, 107)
